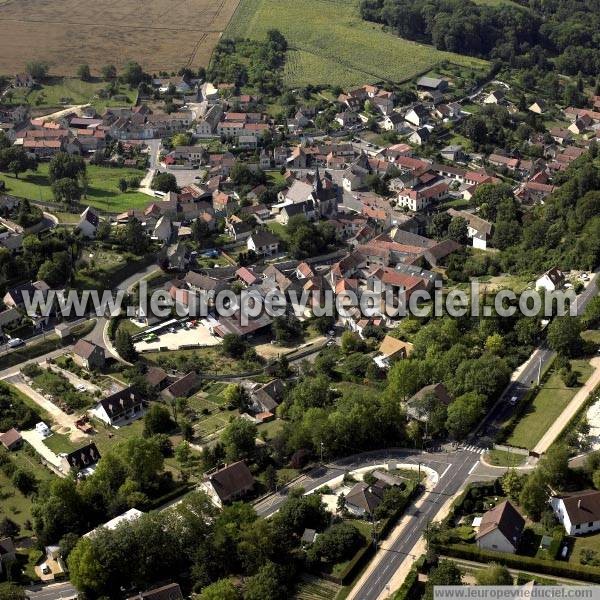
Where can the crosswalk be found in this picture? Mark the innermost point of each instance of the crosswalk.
(473, 448)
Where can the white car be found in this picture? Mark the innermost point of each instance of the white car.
(513, 400)
(81, 388)
(15, 343)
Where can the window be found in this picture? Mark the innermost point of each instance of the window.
(577, 526)
(591, 524)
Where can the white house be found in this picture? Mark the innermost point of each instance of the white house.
(232, 482)
(88, 223)
(263, 243)
(551, 280)
(578, 512)
(418, 115)
(478, 229)
(500, 529)
(133, 514)
(123, 405)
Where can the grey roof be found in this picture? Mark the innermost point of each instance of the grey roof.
(264, 238)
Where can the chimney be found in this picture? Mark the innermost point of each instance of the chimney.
(579, 503)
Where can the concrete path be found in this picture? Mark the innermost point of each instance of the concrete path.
(571, 410)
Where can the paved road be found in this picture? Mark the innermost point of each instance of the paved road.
(528, 376)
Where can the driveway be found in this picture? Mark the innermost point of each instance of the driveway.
(60, 418)
(32, 437)
(74, 380)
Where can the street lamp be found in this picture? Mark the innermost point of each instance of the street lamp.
(322, 445)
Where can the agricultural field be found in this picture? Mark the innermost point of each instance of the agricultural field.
(103, 188)
(161, 35)
(331, 44)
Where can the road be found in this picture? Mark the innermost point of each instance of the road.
(527, 376)
(153, 153)
(453, 468)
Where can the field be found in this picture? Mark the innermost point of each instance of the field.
(103, 191)
(160, 35)
(331, 44)
(60, 91)
(546, 407)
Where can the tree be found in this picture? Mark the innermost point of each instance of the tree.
(438, 227)
(564, 336)
(83, 72)
(123, 185)
(533, 496)
(125, 347)
(337, 543)
(236, 396)
(157, 420)
(133, 74)
(446, 573)
(37, 69)
(494, 575)
(164, 182)
(66, 190)
(554, 465)
(239, 439)
(457, 230)
(24, 481)
(183, 453)
(512, 484)
(464, 413)
(351, 342)
(494, 344)
(8, 528)
(223, 589)
(65, 165)
(233, 345)
(109, 72)
(85, 571)
(269, 583)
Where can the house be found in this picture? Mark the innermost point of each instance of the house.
(346, 118)
(363, 499)
(88, 223)
(551, 280)
(420, 136)
(183, 387)
(266, 398)
(418, 115)
(501, 528)
(14, 297)
(418, 199)
(308, 537)
(390, 350)
(122, 405)
(538, 107)
(393, 122)
(129, 516)
(163, 230)
(435, 390)
(580, 125)
(156, 377)
(11, 439)
(171, 591)
(561, 136)
(239, 231)
(478, 229)
(578, 512)
(8, 554)
(495, 97)
(453, 153)
(430, 84)
(229, 483)
(88, 355)
(264, 243)
(81, 461)
(23, 80)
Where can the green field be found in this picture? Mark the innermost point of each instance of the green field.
(546, 407)
(103, 191)
(331, 44)
(64, 91)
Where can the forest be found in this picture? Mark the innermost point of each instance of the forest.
(556, 35)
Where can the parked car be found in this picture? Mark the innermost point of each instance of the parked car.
(513, 400)
(15, 343)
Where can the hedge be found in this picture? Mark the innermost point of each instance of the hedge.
(407, 590)
(547, 567)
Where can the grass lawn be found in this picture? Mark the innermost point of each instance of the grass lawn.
(63, 91)
(270, 429)
(546, 407)
(502, 458)
(586, 542)
(591, 335)
(60, 443)
(13, 504)
(331, 44)
(314, 588)
(103, 191)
